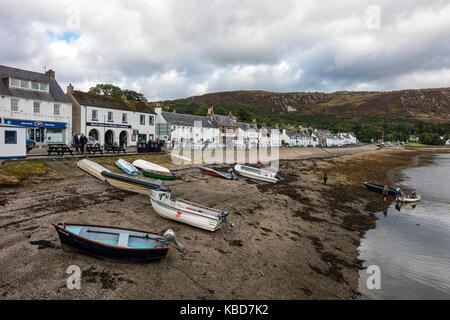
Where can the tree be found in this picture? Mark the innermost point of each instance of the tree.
(106, 90)
(133, 95)
(244, 115)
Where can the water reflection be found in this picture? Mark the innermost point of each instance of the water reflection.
(411, 241)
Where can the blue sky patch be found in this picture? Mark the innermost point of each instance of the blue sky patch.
(65, 36)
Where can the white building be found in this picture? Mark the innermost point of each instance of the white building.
(36, 102)
(12, 142)
(188, 131)
(111, 120)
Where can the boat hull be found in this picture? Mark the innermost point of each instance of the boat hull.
(265, 176)
(156, 175)
(379, 188)
(130, 183)
(170, 210)
(92, 168)
(93, 248)
(127, 167)
(408, 200)
(215, 173)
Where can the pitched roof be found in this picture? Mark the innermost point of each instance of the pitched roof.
(188, 120)
(55, 93)
(225, 121)
(101, 101)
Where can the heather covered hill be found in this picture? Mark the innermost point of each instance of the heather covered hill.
(424, 104)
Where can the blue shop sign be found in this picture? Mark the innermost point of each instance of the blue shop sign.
(39, 124)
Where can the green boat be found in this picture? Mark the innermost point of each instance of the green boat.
(158, 176)
(153, 170)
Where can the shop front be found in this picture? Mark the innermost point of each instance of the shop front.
(42, 131)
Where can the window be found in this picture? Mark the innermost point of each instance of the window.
(14, 104)
(36, 107)
(110, 116)
(15, 82)
(142, 119)
(56, 109)
(150, 120)
(35, 85)
(124, 117)
(94, 115)
(43, 86)
(24, 84)
(10, 137)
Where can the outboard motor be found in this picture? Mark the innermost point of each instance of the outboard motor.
(231, 170)
(170, 236)
(223, 217)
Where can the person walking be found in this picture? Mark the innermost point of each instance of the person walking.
(325, 178)
(83, 142)
(76, 142)
(385, 192)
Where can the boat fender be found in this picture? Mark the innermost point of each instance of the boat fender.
(179, 213)
(170, 236)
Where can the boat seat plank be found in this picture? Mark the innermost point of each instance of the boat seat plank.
(123, 239)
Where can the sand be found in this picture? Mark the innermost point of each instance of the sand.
(296, 239)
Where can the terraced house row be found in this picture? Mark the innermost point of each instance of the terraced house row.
(36, 102)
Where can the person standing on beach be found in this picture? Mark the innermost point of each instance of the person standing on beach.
(325, 178)
(76, 142)
(385, 192)
(83, 141)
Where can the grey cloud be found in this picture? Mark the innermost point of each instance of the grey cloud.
(172, 49)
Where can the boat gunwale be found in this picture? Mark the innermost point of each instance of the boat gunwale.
(204, 214)
(104, 244)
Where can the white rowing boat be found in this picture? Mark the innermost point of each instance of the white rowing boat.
(255, 173)
(188, 212)
(406, 198)
(92, 168)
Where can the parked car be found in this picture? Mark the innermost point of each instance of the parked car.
(93, 142)
(30, 144)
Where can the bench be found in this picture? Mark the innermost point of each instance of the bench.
(115, 149)
(93, 149)
(60, 149)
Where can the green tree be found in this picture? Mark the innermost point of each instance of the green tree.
(106, 90)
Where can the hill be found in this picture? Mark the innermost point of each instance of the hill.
(432, 105)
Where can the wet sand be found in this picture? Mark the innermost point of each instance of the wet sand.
(296, 239)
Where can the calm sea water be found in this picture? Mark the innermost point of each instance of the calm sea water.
(411, 244)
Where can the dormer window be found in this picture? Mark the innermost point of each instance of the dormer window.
(29, 85)
(24, 84)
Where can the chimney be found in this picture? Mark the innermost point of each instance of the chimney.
(174, 110)
(211, 113)
(254, 123)
(230, 115)
(70, 89)
(50, 73)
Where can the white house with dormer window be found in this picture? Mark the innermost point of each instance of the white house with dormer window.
(36, 102)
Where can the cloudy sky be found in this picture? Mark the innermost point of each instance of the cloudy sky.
(178, 48)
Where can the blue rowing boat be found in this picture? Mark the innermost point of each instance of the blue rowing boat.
(127, 167)
(116, 243)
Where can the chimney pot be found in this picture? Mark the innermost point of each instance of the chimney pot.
(50, 73)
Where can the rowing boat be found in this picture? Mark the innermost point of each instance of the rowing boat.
(133, 184)
(255, 173)
(212, 172)
(153, 170)
(116, 243)
(408, 198)
(188, 212)
(127, 167)
(92, 168)
(379, 188)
